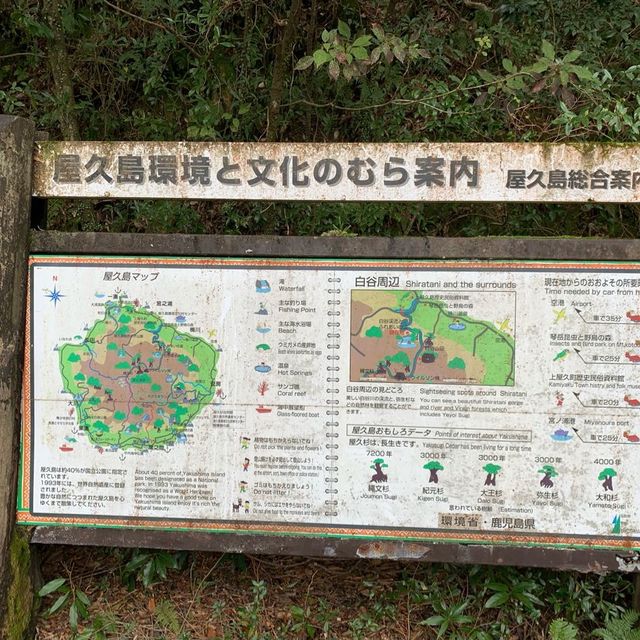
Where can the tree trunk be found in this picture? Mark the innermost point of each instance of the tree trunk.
(311, 31)
(61, 71)
(546, 481)
(433, 475)
(379, 475)
(283, 54)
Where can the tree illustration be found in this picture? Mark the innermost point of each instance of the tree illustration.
(492, 471)
(607, 475)
(378, 465)
(433, 466)
(94, 382)
(549, 472)
(263, 387)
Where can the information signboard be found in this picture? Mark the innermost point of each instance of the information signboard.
(493, 402)
(391, 172)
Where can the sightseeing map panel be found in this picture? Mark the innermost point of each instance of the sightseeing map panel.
(464, 401)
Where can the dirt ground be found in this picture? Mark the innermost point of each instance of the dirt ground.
(229, 596)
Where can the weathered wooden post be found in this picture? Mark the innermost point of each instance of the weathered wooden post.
(16, 145)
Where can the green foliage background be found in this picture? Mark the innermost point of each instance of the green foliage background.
(331, 70)
(306, 70)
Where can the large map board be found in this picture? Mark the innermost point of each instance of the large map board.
(493, 402)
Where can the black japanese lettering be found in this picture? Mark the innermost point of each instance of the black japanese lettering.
(130, 169)
(395, 176)
(100, 163)
(327, 171)
(67, 168)
(261, 167)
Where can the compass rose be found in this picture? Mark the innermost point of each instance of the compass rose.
(54, 295)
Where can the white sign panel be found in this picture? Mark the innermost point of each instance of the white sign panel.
(482, 172)
(480, 402)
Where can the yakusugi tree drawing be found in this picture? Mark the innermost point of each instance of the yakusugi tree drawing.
(492, 471)
(549, 472)
(607, 475)
(378, 465)
(433, 466)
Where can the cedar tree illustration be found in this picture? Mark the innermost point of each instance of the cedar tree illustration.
(379, 475)
(607, 475)
(433, 466)
(492, 471)
(549, 472)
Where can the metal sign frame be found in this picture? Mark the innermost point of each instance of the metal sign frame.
(581, 558)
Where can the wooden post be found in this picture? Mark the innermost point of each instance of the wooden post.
(16, 148)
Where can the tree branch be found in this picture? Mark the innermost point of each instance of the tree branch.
(155, 24)
(476, 4)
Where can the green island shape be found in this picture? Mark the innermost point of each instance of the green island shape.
(136, 382)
